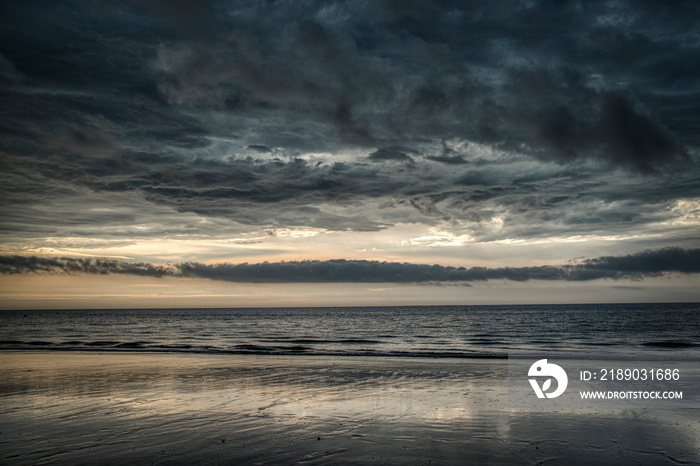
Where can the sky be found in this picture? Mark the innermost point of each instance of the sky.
(382, 152)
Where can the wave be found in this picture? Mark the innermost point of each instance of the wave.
(474, 347)
(670, 344)
(322, 341)
(485, 341)
(243, 348)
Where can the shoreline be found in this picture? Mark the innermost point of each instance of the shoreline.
(64, 407)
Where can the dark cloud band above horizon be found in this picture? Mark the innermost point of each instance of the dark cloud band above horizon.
(650, 263)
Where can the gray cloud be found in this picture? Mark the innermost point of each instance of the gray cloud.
(396, 154)
(634, 266)
(33, 264)
(414, 112)
(259, 148)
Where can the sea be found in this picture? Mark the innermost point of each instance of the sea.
(645, 330)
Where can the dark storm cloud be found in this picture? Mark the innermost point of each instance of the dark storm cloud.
(186, 11)
(648, 262)
(634, 266)
(167, 101)
(259, 148)
(396, 154)
(33, 264)
(633, 140)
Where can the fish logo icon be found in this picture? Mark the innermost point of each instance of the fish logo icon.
(542, 368)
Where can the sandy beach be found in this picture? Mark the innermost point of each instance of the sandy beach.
(145, 408)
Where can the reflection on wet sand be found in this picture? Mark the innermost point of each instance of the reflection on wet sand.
(170, 408)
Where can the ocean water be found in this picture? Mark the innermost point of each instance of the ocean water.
(646, 330)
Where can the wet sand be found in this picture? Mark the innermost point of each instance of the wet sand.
(145, 408)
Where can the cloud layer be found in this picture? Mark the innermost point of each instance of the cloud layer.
(633, 266)
(493, 120)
